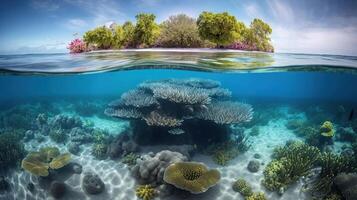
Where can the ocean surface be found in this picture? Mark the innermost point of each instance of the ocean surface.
(232, 111)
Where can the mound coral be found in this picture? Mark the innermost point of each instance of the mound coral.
(38, 163)
(291, 162)
(150, 168)
(257, 196)
(191, 176)
(327, 130)
(145, 192)
(242, 187)
(184, 105)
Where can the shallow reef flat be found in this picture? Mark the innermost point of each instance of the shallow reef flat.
(182, 144)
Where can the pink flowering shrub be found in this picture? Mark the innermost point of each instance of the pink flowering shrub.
(77, 46)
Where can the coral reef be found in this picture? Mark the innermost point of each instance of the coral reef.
(327, 130)
(257, 196)
(242, 187)
(145, 192)
(99, 151)
(150, 168)
(191, 176)
(331, 165)
(223, 152)
(11, 150)
(122, 145)
(39, 163)
(290, 162)
(176, 108)
(347, 185)
(4, 185)
(58, 136)
(92, 184)
(130, 159)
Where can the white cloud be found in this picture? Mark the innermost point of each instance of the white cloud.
(76, 24)
(281, 11)
(102, 11)
(48, 5)
(252, 10)
(315, 40)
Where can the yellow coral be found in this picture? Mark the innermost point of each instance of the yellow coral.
(60, 161)
(49, 153)
(37, 163)
(326, 129)
(145, 192)
(191, 176)
(257, 196)
(34, 166)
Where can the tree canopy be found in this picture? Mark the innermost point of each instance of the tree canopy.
(219, 28)
(222, 29)
(179, 31)
(146, 30)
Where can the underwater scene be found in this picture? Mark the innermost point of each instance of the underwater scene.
(212, 126)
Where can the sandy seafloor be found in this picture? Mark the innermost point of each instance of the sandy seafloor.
(120, 185)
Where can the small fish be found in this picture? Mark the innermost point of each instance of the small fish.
(351, 115)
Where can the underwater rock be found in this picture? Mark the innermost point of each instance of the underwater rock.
(30, 187)
(92, 184)
(257, 156)
(253, 166)
(57, 189)
(121, 146)
(74, 148)
(4, 185)
(75, 167)
(347, 185)
(346, 135)
(150, 168)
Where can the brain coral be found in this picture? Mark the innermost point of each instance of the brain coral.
(191, 176)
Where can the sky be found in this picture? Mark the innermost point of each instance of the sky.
(300, 26)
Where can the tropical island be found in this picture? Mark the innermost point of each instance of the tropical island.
(210, 30)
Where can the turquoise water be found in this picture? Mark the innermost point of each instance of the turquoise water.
(62, 101)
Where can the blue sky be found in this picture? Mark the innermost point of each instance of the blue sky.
(302, 26)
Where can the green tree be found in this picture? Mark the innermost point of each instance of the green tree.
(258, 35)
(219, 28)
(128, 34)
(179, 31)
(118, 37)
(100, 37)
(146, 30)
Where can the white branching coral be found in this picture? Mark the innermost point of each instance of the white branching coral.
(176, 131)
(157, 119)
(123, 113)
(178, 93)
(170, 102)
(226, 112)
(137, 98)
